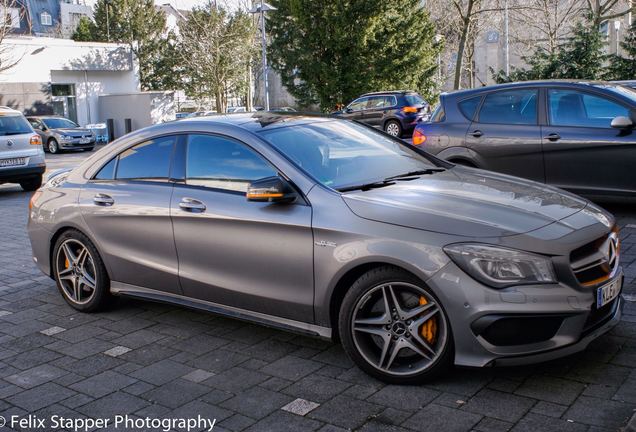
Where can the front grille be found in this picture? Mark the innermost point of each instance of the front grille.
(596, 261)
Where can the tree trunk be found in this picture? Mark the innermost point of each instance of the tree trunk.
(466, 21)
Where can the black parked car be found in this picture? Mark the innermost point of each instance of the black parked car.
(572, 134)
(396, 112)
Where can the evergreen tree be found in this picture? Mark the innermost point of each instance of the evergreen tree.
(581, 57)
(624, 68)
(331, 51)
(84, 32)
(138, 24)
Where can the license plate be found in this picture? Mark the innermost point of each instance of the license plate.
(85, 140)
(609, 292)
(12, 162)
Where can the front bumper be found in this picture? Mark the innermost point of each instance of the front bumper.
(470, 305)
(76, 144)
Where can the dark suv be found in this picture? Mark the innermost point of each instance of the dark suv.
(577, 135)
(395, 112)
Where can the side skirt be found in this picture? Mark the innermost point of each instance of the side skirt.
(126, 290)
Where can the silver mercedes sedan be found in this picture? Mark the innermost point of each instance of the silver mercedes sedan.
(330, 228)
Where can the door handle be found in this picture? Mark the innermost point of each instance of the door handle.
(476, 133)
(192, 205)
(553, 137)
(103, 200)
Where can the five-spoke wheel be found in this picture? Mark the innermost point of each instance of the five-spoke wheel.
(394, 327)
(79, 272)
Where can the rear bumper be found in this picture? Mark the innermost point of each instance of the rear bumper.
(8, 175)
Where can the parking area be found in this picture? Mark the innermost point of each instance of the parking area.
(157, 361)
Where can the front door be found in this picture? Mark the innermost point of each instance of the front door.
(506, 135)
(127, 209)
(249, 255)
(582, 151)
(355, 110)
(377, 106)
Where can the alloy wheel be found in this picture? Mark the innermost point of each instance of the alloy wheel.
(393, 129)
(399, 328)
(76, 271)
(53, 147)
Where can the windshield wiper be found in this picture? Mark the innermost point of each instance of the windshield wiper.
(415, 173)
(367, 186)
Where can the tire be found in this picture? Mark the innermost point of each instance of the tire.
(393, 128)
(53, 146)
(31, 184)
(366, 344)
(85, 268)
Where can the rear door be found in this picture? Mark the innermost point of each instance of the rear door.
(376, 109)
(127, 209)
(506, 134)
(582, 151)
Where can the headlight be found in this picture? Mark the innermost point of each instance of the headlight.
(66, 137)
(500, 267)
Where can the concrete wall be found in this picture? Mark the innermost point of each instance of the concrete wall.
(144, 109)
(94, 69)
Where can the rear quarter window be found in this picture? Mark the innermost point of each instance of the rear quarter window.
(439, 115)
(468, 107)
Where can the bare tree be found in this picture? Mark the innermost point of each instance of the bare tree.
(603, 10)
(11, 14)
(546, 22)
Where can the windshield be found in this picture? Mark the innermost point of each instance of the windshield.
(341, 154)
(414, 99)
(629, 92)
(14, 125)
(59, 123)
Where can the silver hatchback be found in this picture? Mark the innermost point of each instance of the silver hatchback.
(330, 228)
(21, 154)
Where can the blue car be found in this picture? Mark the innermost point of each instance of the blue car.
(395, 112)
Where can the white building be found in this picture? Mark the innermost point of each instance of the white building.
(71, 11)
(63, 77)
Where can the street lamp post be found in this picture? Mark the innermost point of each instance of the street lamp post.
(261, 9)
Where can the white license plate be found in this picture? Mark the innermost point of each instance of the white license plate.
(607, 293)
(12, 162)
(85, 140)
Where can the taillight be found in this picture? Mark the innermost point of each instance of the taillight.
(35, 140)
(33, 199)
(418, 137)
(409, 109)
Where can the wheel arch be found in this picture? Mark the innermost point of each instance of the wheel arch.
(461, 154)
(345, 280)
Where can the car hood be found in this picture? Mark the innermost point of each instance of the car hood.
(466, 202)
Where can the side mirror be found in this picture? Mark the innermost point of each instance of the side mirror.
(622, 122)
(271, 189)
(348, 110)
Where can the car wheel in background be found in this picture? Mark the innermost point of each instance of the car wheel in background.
(394, 328)
(393, 128)
(79, 272)
(53, 146)
(31, 184)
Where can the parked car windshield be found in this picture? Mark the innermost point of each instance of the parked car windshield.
(341, 154)
(14, 125)
(628, 92)
(59, 123)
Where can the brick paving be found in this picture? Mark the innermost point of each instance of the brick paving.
(158, 361)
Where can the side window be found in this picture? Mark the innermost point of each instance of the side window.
(149, 160)
(359, 104)
(376, 102)
(220, 163)
(575, 108)
(469, 106)
(390, 101)
(510, 107)
(108, 171)
(35, 124)
(439, 115)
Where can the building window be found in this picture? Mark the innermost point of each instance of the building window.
(46, 19)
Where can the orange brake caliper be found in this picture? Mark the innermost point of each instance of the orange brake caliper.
(429, 328)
